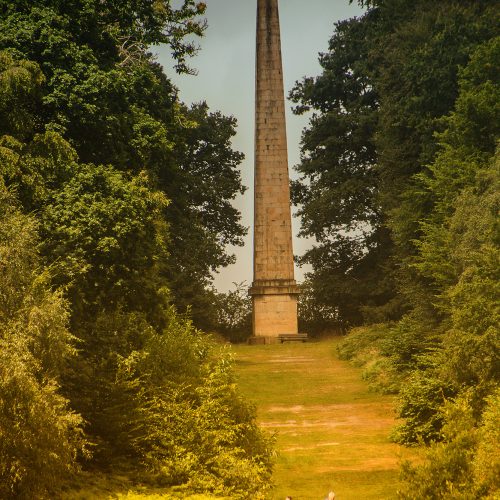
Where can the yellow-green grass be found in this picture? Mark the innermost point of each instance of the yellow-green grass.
(332, 432)
(101, 486)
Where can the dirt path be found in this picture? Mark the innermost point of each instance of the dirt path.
(332, 432)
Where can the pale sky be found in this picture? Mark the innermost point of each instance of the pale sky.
(225, 79)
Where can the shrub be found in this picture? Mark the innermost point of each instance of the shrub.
(164, 403)
(420, 402)
(363, 342)
(234, 313)
(486, 462)
(382, 376)
(408, 340)
(40, 437)
(466, 464)
(199, 432)
(314, 315)
(366, 347)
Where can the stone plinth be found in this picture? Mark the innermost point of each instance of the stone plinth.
(274, 291)
(274, 307)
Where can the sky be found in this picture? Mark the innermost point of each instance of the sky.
(225, 80)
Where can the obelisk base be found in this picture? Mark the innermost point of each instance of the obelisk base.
(274, 310)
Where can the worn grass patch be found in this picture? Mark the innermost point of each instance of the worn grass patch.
(332, 431)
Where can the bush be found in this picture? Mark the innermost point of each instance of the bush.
(234, 313)
(420, 402)
(486, 463)
(199, 433)
(466, 464)
(382, 376)
(40, 437)
(363, 343)
(163, 402)
(408, 340)
(366, 347)
(314, 316)
(209, 442)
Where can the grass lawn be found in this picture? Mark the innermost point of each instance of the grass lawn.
(332, 432)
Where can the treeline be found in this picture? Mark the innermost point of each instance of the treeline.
(115, 206)
(400, 187)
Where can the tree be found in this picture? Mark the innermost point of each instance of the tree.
(337, 191)
(458, 251)
(388, 79)
(103, 93)
(203, 222)
(234, 313)
(100, 141)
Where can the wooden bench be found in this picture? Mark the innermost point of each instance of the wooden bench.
(292, 337)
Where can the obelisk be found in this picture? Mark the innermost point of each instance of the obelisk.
(274, 290)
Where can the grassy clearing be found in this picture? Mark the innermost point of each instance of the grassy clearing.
(332, 431)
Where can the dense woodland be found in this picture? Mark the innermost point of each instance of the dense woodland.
(115, 209)
(399, 185)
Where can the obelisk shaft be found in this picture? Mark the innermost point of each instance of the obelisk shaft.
(274, 290)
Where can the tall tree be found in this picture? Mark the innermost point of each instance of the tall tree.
(337, 190)
(388, 78)
(105, 95)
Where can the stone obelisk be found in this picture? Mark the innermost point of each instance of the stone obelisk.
(274, 290)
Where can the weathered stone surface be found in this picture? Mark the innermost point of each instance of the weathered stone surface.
(274, 290)
(275, 314)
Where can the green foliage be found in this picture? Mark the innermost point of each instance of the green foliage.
(419, 84)
(94, 140)
(40, 437)
(165, 400)
(103, 92)
(20, 86)
(428, 79)
(399, 186)
(462, 179)
(389, 77)
(123, 30)
(234, 313)
(409, 339)
(449, 465)
(466, 464)
(486, 463)
(421, 399)
(362, 340)
(381, 375)
(103, 233)
(315, 317)
(459, 245)
(201, 216)
(210, 442)
(369, 348)
(107, 238)
(336, 191)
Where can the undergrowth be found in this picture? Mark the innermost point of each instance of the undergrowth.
(368, 348)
